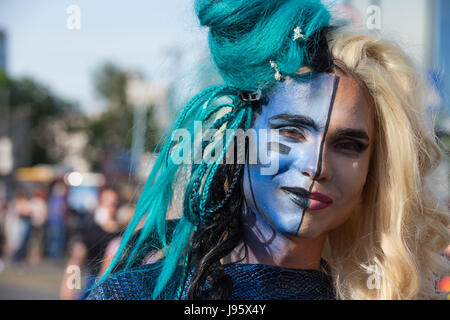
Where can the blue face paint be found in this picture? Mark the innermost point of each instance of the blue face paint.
(300, 110)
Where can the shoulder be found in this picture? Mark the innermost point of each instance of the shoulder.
(134, 284)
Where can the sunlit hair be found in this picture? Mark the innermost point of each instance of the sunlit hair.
(399, 230)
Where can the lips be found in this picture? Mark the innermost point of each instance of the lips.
(320, 197)
(313, 201)
(298, 195)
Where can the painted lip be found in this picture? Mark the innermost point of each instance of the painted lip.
(299, 196)
(318, 201)
(313, 201)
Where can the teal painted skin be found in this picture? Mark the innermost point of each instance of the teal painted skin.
(300, 111)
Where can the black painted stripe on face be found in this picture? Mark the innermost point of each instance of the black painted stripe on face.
(278, 147)
(319, 162)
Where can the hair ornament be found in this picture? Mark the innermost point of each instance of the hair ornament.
(277, 72)
(249, 96)
(298, 34)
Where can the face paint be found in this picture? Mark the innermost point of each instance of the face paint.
(300, 111)
(282, 148)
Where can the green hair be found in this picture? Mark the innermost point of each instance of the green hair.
(244, 36)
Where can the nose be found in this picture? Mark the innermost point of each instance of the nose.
(323, 172)
(306, 158)
(315, 164)
(310, 167)
(309, 173)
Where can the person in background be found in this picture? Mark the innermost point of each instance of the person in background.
(22, 208)
(56, 229)
(124, 216)
(2, 238)
(87, 253)
(39, 214)
(3, 211)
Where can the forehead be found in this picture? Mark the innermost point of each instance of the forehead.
(351, 107)
(309, 97)
(338, 100)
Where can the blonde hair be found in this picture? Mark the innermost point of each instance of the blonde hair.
(399, 231)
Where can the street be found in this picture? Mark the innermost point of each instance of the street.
(34, 282)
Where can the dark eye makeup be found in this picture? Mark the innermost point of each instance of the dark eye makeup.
(352, 146)
(293, 133)
(351, 141)
(347, 140)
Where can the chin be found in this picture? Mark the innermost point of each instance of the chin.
(310, 232)
(311, 229)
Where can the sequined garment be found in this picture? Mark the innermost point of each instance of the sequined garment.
(250, 282)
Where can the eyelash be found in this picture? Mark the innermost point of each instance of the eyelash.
(298, 131)
(352, 146)
(349, 146)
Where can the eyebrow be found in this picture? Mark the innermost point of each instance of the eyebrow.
(296, 120)
(354, 133)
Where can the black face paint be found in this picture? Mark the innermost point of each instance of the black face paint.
(278, 147)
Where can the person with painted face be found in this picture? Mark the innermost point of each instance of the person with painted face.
(326, 196)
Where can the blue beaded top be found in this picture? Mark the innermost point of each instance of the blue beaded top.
(250, 282)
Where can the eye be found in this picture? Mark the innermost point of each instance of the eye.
(351, 146)
(292, 133)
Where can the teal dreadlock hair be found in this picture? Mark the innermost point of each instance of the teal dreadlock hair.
(244, 36)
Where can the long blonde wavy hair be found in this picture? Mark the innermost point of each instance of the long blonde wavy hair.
(399, 231)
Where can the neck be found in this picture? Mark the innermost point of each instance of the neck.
(265, 245)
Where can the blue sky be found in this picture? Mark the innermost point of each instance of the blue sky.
(136, 34)
(133, 34)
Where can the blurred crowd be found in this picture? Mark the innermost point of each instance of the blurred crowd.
(60, 224)
(75, 227)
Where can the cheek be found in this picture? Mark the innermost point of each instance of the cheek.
(349, 178)
(349, 181)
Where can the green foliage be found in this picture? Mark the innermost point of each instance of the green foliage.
(44, 103)
(112, 130)
(110, 84)
(26, 95)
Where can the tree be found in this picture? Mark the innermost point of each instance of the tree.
(27, 102)
(112, 131)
